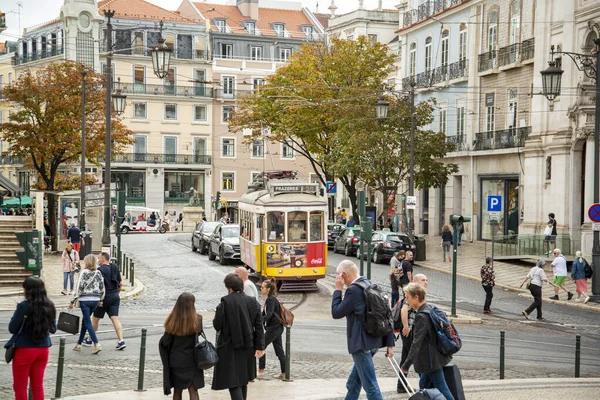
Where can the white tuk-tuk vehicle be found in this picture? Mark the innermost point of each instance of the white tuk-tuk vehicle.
(142, 219)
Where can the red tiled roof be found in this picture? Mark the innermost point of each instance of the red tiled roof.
(323, 19)
(266, 16)
(140, 9)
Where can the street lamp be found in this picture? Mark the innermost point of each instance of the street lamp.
(551, 79)
(118, 99)
(381, 109)
(161, 57)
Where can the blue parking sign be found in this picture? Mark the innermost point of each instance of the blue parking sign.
(494, 203)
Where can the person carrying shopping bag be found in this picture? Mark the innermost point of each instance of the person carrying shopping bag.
(70, 259)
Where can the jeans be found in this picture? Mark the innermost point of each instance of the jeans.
(459, 237)
(29, 364)
(87, 308)
(275, 338)
(446, 249)
(488, 296)
(439, 382)
(68, 275)
(536, 292)
(363, 375)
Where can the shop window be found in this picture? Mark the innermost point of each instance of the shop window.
(276, 226)
(297, 226)
(316, 226)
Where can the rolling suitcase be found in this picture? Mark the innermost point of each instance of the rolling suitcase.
(454, 381)
(427, 394)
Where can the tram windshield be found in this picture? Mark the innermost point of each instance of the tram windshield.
(297, 226)
(231, 232)
(316, 226)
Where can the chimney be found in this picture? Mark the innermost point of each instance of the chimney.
(248, 8)
(380, 5)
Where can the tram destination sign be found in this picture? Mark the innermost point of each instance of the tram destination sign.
(294, 188)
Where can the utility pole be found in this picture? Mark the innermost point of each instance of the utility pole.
(411, 179)
(106, 232)
(82, 206)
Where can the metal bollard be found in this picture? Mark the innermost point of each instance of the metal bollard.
(127, 268)
(140, 387)
(577, 354)
(501, 354)
(124, 264)
(60, 368)
(132, 274)
(288, 359)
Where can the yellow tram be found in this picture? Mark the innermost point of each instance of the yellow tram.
(282, 229)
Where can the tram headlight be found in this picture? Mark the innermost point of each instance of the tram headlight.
(280, 271)
(315, 270)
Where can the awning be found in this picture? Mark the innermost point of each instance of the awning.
(18, 201)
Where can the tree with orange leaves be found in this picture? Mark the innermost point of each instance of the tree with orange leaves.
(45, 129)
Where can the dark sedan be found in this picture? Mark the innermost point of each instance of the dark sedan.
(385, 244)
(333, 231)
(225, 243)
(347, 241)
(201, 235)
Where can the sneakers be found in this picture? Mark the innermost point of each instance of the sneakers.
(525, 315)
(556, 297)
(280, 376)
(487, 311)
(77, 347)
(587, 298)
(121, 345)
(541, 318)
(97, 349)
(569, 296)
(87, 343)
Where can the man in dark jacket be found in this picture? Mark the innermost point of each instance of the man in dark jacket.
(361, 345)
(240, 339)
(424, 355)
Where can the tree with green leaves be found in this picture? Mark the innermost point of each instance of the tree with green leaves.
(45, 129)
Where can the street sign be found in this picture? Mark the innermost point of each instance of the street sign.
(594, 212)
(331, 187)
(595, 226)
(411, 202)
(494, 203)
(494, 216)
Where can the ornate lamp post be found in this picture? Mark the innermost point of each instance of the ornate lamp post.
(551, 80)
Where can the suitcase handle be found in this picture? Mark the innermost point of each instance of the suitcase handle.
(401, 375)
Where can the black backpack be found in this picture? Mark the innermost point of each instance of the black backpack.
(589, 271)
(378, 319)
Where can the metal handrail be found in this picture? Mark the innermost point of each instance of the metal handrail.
(160, 158)
(501, 139)
(167, 90)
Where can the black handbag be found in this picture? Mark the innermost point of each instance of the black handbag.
(68, 322)
(10, 351)
(205, 353)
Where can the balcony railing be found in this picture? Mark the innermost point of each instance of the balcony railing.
(459, 69)
(487, 61)
(181, 54)
(8, 159)
(527, 49)
(22, 59)
(512, 54)
(502, 139)
(509, 54)
(167, 90)
(427, 9)
(230, 93)
(160, 158)
(456, 70)
(459, 141)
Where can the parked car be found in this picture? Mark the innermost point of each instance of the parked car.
(347, 241)
(225, 243)
(201, 235)
(333, 231)
(384, 244)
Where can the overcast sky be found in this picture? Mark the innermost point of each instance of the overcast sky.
(36, 12)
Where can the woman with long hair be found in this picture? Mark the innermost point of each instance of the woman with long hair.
(271, 314)
(70, 258)
(446, 242)
(36, 318)
(240, 339)
(176, 349)
(90, 293)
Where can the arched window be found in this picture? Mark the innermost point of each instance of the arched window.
(515, 22)
(428, 44)
(412, 60)
(493, 30)
(445, 47)
(462, 43)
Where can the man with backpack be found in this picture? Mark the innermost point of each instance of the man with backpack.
(112, 300)
(366, 332)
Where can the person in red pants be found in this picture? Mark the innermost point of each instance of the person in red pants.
(31, 325)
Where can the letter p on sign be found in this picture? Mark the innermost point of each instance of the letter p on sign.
(494, 203)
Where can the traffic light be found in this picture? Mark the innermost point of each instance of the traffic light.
(218, 200)
(459, 219)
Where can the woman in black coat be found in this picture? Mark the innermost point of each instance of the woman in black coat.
(424, 354)
(240, 339)
(273, 326)
(176, 349)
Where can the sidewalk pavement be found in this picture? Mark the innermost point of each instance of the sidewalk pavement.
(471, 256)
(322, 389)
(53, 278)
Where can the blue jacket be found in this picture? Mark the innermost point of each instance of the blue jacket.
(26, 337)
(578, 269)
(353, 307)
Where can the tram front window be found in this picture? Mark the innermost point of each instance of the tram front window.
(316, 226)
(297, 226)
(231, 232)
(276, 225)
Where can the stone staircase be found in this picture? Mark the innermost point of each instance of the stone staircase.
(12, 273)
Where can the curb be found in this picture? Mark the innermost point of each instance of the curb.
(521, 292)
